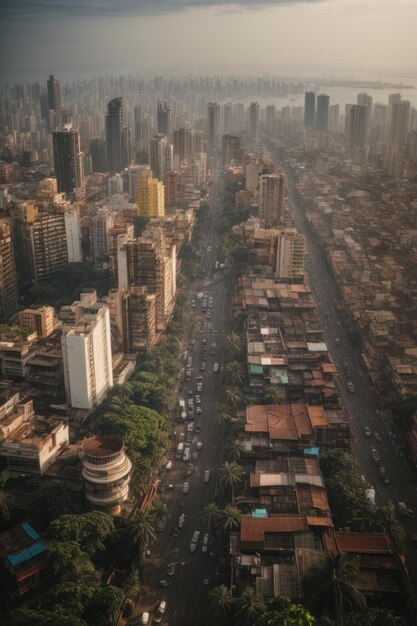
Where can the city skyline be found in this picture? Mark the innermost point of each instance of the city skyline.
(283, 35)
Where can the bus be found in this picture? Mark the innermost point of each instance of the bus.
(180, 450)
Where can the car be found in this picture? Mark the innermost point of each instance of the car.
(375, 455)
(190, 403)
(197, 428)
(209, 249)
(199, 377)
(190, 392)
(198, 399)
(199, 387)
(367, 431)
(190, 428)
(203, 366)
(195, 455)
(383, 474)
(181, 520)
(337, 340)
(194, 540)
(163, 582)
(204, 547)
(160, 612)
(215, 368)
(193, 342)
(206, 476)
(198, 410)
(170, 486)
(171, 568)
(186, 487)
(350, 387)
(145, 618)
(199, 445)
(378, 437)
(204, 341)
(193, 303)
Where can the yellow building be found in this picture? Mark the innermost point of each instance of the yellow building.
(150, 198)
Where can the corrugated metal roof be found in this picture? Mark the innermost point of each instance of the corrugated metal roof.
(368, 543)
(25, 555)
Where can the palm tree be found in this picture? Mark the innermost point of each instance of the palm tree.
(248, 607)
(235, 373)
(230, 474)
(234, 345)
(221, 603)
(332, 589)
(234, 396)
(159, 510)
(140, 535)
(235, 449)
(6, 504)
(211, 515)
(55, 499)
(229, 517)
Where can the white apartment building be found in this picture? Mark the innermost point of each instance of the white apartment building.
(86, 349)
(291, 250)
(73, 236)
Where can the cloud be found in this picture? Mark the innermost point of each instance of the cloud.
(15, 9)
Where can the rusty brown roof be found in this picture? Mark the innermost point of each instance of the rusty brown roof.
(253, 529)
(368, 543)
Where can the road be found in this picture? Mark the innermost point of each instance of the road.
(186, 595)
(363, 405)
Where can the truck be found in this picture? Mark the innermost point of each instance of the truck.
(180, 450)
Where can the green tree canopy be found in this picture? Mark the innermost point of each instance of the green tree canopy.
(55, 499)
(88, 530)
(106, 604)
(32, 617)
(69, 561)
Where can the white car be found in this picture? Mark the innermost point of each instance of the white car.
(206, 476)
(160, 612)
(204, 547)
(215, 368)
(198, 399)
(199, 445)
(145, 618)
(181, 520)
(198, 410)
(199, 387)
(186, 487)
(194, 540)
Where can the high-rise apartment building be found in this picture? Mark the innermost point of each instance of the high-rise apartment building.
(100, 234)
(98, 153)
(87, 355)
(9, 297)
(73, 235)
(213, 124)
(309, 109)
(253, 119)
(232, 149)
(135, 174)
(174, 191)
(142, 129)
(54, 103)
(69, 162)
(365, 100)
(228, 118)
(183, 144)
(117, 136)
(164, 119)
(139, 319)
(322, 115)
(334, 117)
(290, 255)
(157, 155)
(150, 198)
(271, 200)
(400, 121)
(358, 117)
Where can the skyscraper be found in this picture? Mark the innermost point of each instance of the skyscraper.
(213, 124)
(150, 198)
(157, 155)
(98, 153)
(253, 119)
(400, 120)
(271, 198)
(364, 99)
(358, 117)
(164, 119)
(322, 116)
(117, 136)
(69, 162)
(309, 109)
(54, 102)
(9, 299)
(183, 144)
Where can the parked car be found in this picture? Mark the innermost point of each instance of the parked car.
(375, 455)
(198, 399)
(198, 410)
(216, 368)
(383, 474)
(160, 611)
(171, 569)
(195, 455)
(204, 547)
(350, 387)
(199, 387)
(206, 477)
(163, 582)
(186, 487)
(194, 540)
(199, 445)
(145, 618)
(181, 520)
(378, 437)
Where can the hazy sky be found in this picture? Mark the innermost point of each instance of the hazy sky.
(345, 37)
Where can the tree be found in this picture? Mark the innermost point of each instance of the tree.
(221, 603)
(248, 607)
(159, 510)
(331, 587)
(106, 604)
(283, 612)
(235, 449)
(32, 617)
(229, 517)
(140, 535)
(211, 514)
(234, 396)
(235, 373)
(234, 346)
(88, 530)
(230, 474)
(69, 562)
(55, 499)
(376, 617)
(6, 504)
(69, 597)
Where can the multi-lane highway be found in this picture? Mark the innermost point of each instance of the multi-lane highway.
(362, 405)
(186, 593)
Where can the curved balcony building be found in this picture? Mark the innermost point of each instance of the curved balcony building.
(106, 472)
